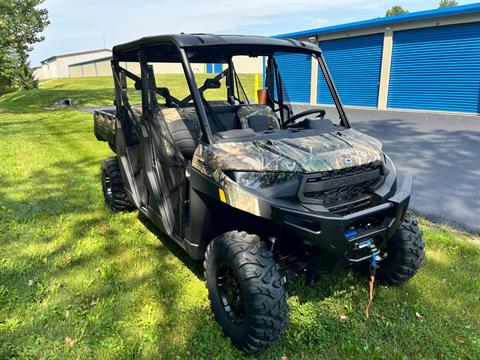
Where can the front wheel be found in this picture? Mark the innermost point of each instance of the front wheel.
(246, 291)
(404, 253)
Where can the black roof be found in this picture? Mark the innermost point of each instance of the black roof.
(208, 47)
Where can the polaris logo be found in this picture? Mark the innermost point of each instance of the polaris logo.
(348, 160)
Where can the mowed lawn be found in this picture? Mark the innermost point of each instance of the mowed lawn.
(78, 281)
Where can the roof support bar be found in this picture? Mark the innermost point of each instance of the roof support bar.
(197, 98)
(333, 90)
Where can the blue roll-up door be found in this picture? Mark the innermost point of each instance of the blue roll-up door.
(217, 68)
(355, 65)
(296, 72)
(214, 68)
(436, 69)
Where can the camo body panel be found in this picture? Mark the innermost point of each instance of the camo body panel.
(236, 196)
(309, 154)
(246, 156)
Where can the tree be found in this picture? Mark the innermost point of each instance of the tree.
(447, 3)
(21, 22)
(24, 78)
(396, 10)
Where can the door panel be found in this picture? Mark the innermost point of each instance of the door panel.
(355, 65)
(436, 69)
(295, 70)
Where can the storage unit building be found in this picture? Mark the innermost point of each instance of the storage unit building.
(242, 64)
(428, 60)
(214, 68)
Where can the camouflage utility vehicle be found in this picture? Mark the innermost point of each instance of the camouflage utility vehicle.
(262, 190)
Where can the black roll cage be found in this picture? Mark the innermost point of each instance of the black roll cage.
(273, 80)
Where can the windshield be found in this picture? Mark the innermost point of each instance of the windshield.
(302, 85)
(278, 92)
(262, 96)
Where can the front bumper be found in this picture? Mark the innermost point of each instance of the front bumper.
(340, 241)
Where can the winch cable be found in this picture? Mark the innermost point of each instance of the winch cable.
(371, 283)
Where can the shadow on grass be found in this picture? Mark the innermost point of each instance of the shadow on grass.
(195, 266)
(34, 101)
(58, 235)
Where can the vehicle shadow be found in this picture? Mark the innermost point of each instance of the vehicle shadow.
(195, 266)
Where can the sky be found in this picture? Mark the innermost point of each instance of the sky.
(78, 25)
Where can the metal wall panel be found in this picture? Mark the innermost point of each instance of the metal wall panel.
(436, 69)
(75, 71)
(355, 65)
(296, 72)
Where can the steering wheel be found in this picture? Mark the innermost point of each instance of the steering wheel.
(291, 120)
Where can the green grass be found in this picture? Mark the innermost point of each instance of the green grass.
(98, 91)
(78, 281)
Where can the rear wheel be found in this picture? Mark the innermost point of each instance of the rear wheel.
(112, 186)
(246, 291)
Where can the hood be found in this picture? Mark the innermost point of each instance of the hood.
(311, 154)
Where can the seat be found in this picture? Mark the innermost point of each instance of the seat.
(183, 125)
(221, 117)
(260, 118)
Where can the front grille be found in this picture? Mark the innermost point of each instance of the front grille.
(330, 197)
(334, 189)
(354, 170)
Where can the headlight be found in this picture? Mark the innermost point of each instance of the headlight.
(258, 180)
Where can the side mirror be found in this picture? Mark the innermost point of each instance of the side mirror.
(212, 84)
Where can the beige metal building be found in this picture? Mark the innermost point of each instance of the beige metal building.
(248, 65)
(101, 67)
(97, 63)
(58, 66)
(38, 73)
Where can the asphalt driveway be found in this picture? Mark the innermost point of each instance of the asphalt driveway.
(442, 152)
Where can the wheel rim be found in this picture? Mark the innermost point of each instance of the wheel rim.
(108, 185)
(230, 294)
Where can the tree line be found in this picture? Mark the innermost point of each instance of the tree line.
(21, 23)
(398, 10)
